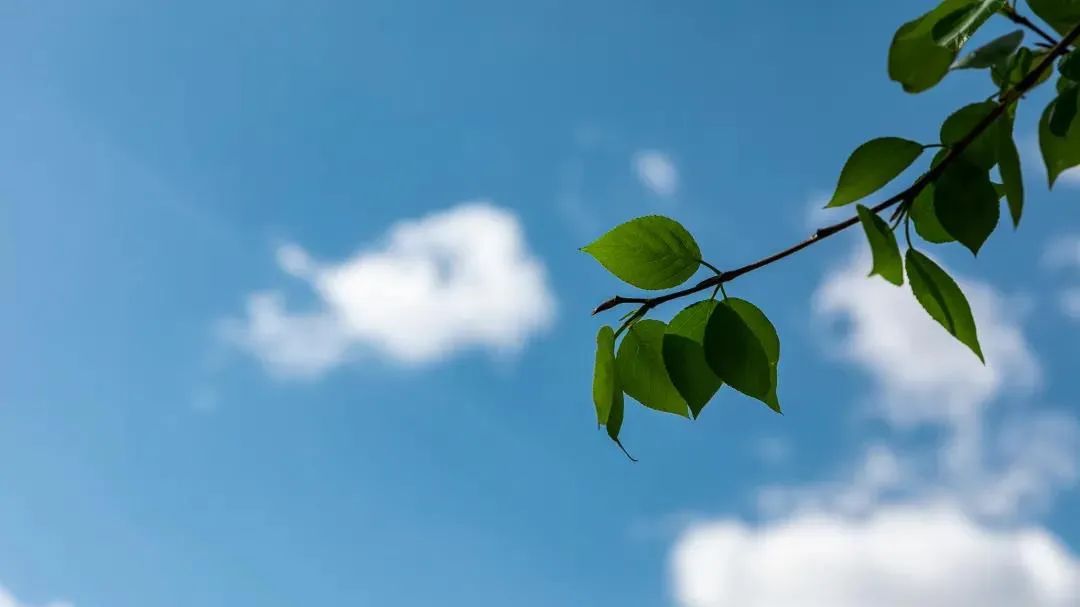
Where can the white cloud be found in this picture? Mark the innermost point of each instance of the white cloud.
(924, 556)
(8, 600)
(924, 374)
(457, 279)
(1063, 253)
(657, 172)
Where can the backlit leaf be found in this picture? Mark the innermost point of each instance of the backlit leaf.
(641, 371)
(1009, 165)
(684, 356)
(966, 204)
(1059, 153)
(924, 216)
(916, 60)
(995, 52)
(650, 252)
(983, 150)
(1062, 15)
(605, 382)
(765, 332)
(871, 166)
(883, 247)
(942, 298)
(735, 353)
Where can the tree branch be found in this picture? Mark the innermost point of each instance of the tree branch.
(1011, 14)
(1004, 102)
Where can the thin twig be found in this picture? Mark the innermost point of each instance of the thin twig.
(1011, 14)
(1005, 101)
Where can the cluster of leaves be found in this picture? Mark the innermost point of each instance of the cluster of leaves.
(679, 366)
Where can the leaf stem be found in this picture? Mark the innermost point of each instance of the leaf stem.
(1010, 13)
(1006, 100)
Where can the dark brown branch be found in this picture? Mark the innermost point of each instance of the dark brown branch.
(1011, 14)
(1004, 102)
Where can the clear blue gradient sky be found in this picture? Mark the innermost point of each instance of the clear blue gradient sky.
(155, 157)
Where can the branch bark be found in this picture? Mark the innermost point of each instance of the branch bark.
(1005, 100)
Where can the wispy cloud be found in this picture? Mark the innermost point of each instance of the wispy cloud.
(7, 599)
(657, 172)
(461, 278)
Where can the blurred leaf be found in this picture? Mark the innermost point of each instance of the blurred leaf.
(1059, 153)
(1062, 15)
(956, 28)
(1064, 111)
(995, 52)
(684, 356)
(1009, 165)
(883, 247)
(650, 252)
(1018, 67)
(942, 299)
(641, 371)
(1070, 66)
(871, 166)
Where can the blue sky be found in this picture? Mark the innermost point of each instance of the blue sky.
(214, 395)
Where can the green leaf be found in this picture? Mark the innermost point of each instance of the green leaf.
(1064, 111)
(684, 356)
(615, 419)
(1062, 15)
(924, 216)
(942, 299)
(1009, 165)
(966, 204)
(871, 166)
(916, 60)
(954, 30)
(641, 371)
(735, 353)
(993, 53)
(765, 332)
(651, 252)
(1070, 66)
(883, 247)
(1059, 153)
(1018, 67)
(605, 383)
(983, 150)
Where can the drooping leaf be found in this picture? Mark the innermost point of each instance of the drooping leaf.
(883, 247)
(615, 420)
(966, 204)
(641, 371)
(1009, 165)
(651, 252)
(684, 356)
(1062, 15)
(766, 334)
(871, 166)
(942, 299)
(1064, 111)
(993, 53)
(736, 354)
(1059, 153)
(924, 216)
(605, 383)
(916, 60)
(983, 150)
